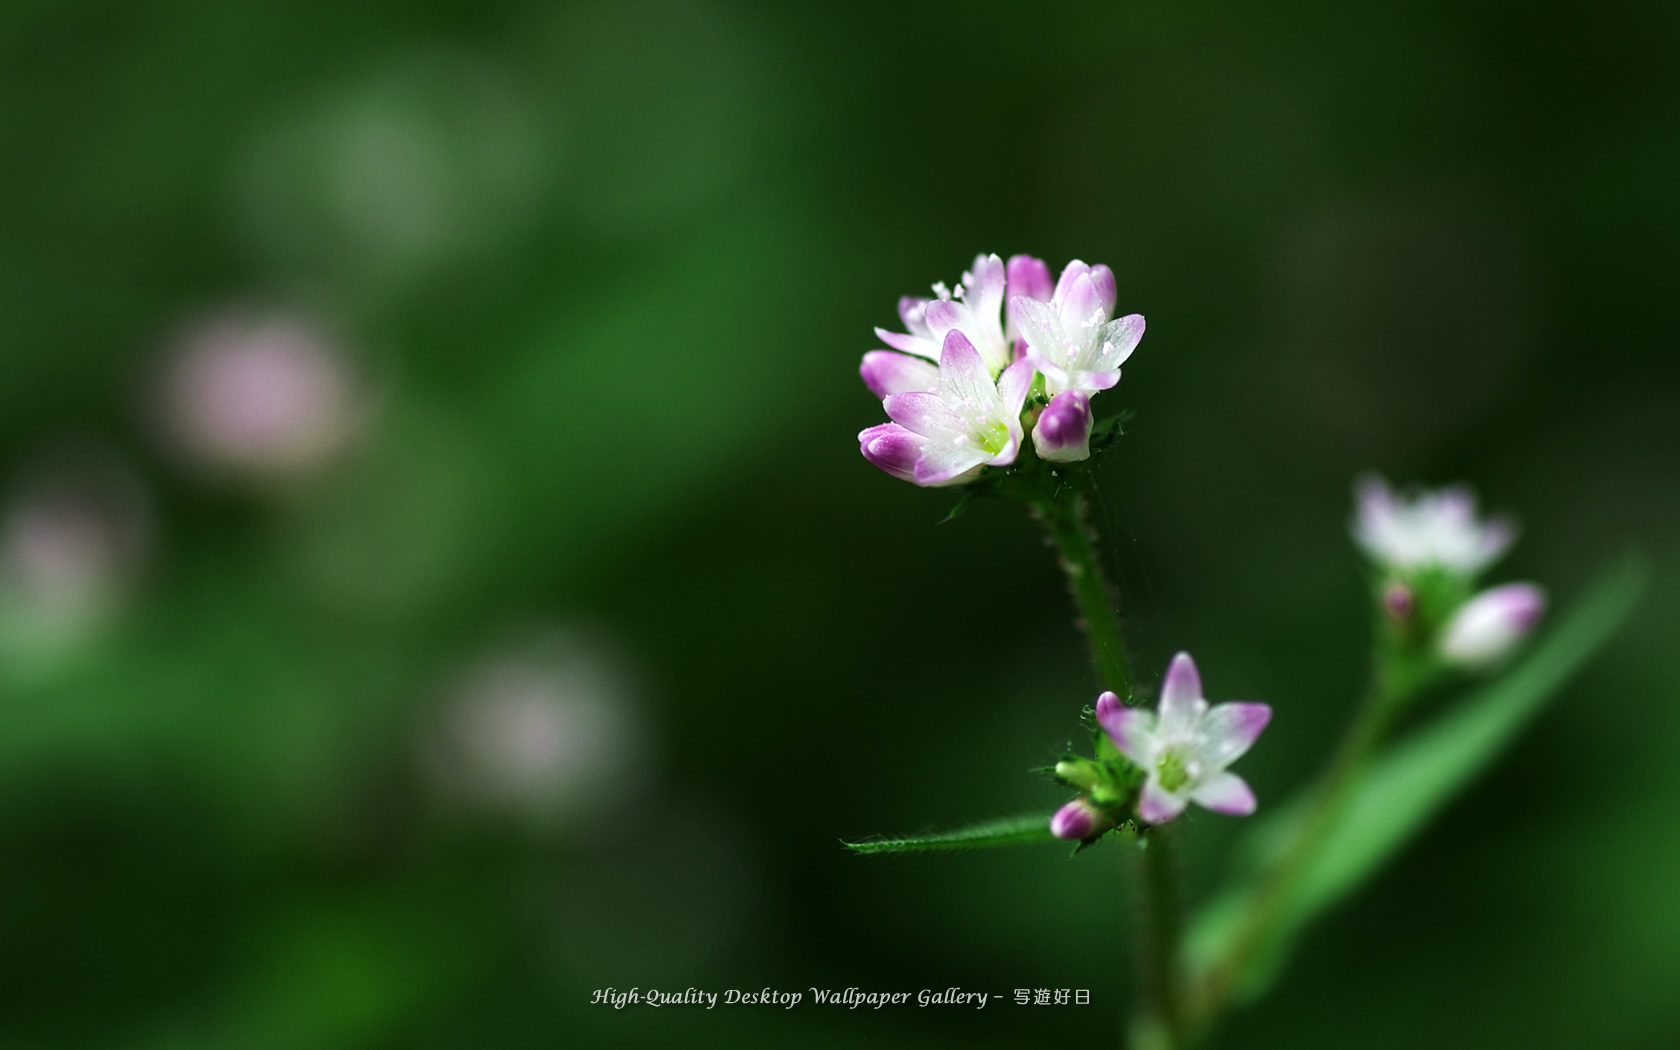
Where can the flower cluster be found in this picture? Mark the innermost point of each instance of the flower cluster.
(1182, 750)
(1428, 548)
(957, 381)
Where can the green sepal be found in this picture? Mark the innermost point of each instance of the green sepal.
(1407, 646)
(958, 507)
(1125, 827)
(1080, 773)
(1105, 432)
(1100, 742)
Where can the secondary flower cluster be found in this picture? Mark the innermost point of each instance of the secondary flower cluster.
(1182, 749)
(1428, 548)
(957, 380)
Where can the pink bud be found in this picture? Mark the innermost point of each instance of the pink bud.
(1078, 820)
(1029, 277)
(892, 448)
(1489, 626)
(1398, 601)
(1063, 431)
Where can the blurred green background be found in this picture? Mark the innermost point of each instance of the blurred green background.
(439, 578)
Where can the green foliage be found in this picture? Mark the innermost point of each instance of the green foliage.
(1006, 831)
(1402, 789)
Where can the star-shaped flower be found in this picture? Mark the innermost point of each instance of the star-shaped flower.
(1185, 747)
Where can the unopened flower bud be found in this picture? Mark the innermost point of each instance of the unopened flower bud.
(1080, 772)
(1029, 277)
(893, 449)
(1489, 626)
(1078, 820)
(1063, 431)
(1398, 601)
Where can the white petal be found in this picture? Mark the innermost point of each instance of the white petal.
(1156, 805)
(1012, 388)
(944, 464)
(887, 373)
(1181, 697)
(964, 382)
(1229, 730)
(1225, 793)
(1132, 730)
(927, 415)
(1041, 328)
(1115, 344)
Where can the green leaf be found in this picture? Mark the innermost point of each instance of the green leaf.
(1405, 786)
(958, 507)
(1007, 831)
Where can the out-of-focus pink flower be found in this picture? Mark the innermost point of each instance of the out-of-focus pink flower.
(1185, 746)
(945, 436)
(73, 537)
(540, 728)
(1487, 627)
(262, 398)
(1427, 528)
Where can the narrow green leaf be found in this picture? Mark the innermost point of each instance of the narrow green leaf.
(958, 507)
(1008, 831)
(1407, 785)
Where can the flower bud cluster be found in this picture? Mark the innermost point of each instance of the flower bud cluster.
(1428, 547)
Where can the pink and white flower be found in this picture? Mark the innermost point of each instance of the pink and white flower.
(1073, 337)
(945, 435)
(1487, 627)
(974, 309)
(1062, 329)
(1427, 528)
(1186, 746)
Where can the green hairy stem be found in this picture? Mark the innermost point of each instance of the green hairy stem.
(1066, 518)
